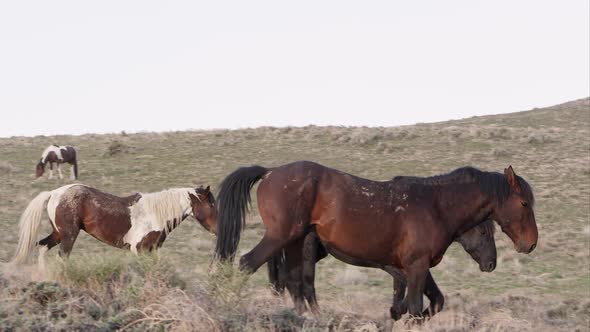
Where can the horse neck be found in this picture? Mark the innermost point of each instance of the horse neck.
(167, 207)
(174, 223)
(463, 206)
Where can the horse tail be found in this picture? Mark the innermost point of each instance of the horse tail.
(277, 272)
(28, 226)
(233, 202)
(75, 164)
(76, 170)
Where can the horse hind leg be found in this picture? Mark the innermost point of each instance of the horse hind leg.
(69, 226)
(262, 252)
(288, 224)
(293, 257)
(313, 252)
(45, 245)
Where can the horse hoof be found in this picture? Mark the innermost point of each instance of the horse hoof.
(395, 313)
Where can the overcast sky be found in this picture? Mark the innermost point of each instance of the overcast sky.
(105, 66)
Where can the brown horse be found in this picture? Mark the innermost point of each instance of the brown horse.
(139, 222)
(405, 226)
(58, 154)
(294, 268)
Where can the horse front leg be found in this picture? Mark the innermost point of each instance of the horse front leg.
(61, 176)
(399, 306)
(50, 170)
(416, 278)
(437, 299)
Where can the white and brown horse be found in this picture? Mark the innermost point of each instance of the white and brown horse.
(139, 222)
(58, 154)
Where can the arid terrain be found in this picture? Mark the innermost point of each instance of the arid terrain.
(102, 288)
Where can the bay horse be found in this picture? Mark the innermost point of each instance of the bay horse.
(58, 154)
(404, 226)
(294, 269)
(139, 222)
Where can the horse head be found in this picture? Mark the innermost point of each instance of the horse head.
(515, 214)
(203, 208)
(479, 242)
(40, 169)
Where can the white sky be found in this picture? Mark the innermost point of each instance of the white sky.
(105, 66)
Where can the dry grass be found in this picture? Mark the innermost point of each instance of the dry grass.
(548, 290)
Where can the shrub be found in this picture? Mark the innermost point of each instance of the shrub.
(116, 148)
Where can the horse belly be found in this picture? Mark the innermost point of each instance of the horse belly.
(362, 241)
(108, 223)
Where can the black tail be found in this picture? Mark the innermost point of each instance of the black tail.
(76, 170)
(277, 272)
(74, 161)
(233, 201)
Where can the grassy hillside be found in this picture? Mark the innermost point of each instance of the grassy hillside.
(550, 147)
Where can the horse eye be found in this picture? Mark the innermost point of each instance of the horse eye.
(525, 204)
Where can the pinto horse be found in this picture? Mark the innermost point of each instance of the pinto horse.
(58, 154)
(406, 226)
(139, 222)
(294, 268)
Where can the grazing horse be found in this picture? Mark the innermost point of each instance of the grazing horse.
(294, 268)
(404, 228)
(58, 154)
(139, 222)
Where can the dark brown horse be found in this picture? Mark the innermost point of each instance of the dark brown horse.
(406, 226)
(294, 269)
(139, 222)
(58, 154)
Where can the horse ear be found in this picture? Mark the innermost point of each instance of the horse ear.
(194, 198)
(511, 177)
(208, 189)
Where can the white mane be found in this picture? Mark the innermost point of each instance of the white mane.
(157, 211)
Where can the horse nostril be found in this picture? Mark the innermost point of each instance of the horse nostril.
(533, 247)
(491, 266)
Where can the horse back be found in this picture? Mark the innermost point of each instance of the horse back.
(68, 154)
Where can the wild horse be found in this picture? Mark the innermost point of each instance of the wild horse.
(406, 226)
(58, 154)
(139, 222)
(294, 268)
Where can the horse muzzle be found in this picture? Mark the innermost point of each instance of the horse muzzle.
(487, 267)
(526, 248)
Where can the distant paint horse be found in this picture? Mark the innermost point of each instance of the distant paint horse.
(58, 154)
(139, 222)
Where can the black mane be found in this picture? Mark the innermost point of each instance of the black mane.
(491, 183)
(209, 195)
